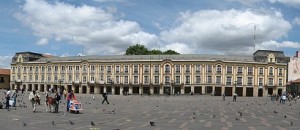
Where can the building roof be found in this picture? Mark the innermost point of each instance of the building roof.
(266, 52)
(181, 57)
(5, 71)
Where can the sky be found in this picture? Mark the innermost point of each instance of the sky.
(109, 27)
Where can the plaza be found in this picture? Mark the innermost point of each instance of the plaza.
(134, 112)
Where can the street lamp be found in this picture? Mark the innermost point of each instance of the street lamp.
(235, 82)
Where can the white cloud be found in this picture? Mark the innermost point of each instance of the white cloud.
(213, 31)
(296, 21)
(5, 62)
(246, 2)
(96, 29)
(274, 45)
(294, 3)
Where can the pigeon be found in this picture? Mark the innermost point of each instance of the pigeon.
(292, 123)
(194, 117)
(241, 114)
(53, 123)
(194, 113)
(24, 124)
(152, 123)
(71, 123)
(236, 118)
(113, 110)
(92, 123)
(275, 112)
(213, 115)
(284, 116)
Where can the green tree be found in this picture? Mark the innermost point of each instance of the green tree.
(170, 52)
(155, 52)
(137, 49)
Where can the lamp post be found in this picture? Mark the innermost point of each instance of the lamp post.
(235, 82)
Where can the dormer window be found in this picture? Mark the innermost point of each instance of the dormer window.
(271, 58)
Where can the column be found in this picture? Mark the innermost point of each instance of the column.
(130, 90)
(244, 91)
(161, 89)
(192, 89)
(97, 89)
(121, 90)
(104, 89)
(222, 90)
(182, 90)
(80, 88)
(73, 88)
(88, 89)
(151, 90)
(39, 87)
(140, 90)
(203, 90)
(213, 89)
(113, 90)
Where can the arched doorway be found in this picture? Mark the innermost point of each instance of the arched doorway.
(83, 89)
(76, 89)
(92, 89)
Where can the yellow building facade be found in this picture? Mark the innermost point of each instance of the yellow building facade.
(262, 74)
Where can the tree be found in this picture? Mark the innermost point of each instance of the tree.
(170, 52)
(154, 52)
(137, 49)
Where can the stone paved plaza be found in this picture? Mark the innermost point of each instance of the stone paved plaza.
(133, 112)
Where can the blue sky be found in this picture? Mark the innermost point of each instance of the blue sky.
(108, 27)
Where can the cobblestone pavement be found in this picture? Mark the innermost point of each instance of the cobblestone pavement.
(168, 112)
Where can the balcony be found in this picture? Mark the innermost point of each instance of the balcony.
(101, 82)
(77, 82)
(92, 82)
(18, 80)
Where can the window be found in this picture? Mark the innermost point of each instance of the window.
(156, 79)
(77, 68)
(146, 79)
(198, 79)
(261, 71)
(49, 78)
(55, 68)
(108, 69)
(84, 68)
(270, 81)
(70, 78)
(167, 69)
(187, 79)
(24, 70)
(219, 69)
(55, 78)
(146, 69)
(2, 80)
(187, 68)
(218, 79)
(126, 79)
(36, 69)
(36, 77)
(102, 68)
(108, 79)
(239, 81)
(271, 71)
(43, 69)
(228, 80)
(117, 69)
(77, 78)
(24, 78)
(136, 79)
(280, 82)
(229, 69)
(30, 78)
(177, 68)
(136, 69)
(92, 68)
(280, 72)
(62, 77)
(209, 79)
(30, 69)
(260, 82)
(177, 79)
(250, 81)
(126, 69)
(250, 70)
(84, 79)
(198, 68)
(92, 78)
(117, 79)
(101, 78)
(167, 80)
(63, 68)
(240, 70)
(156, 68)
(43, 78)
(70, 68)
(208, 68)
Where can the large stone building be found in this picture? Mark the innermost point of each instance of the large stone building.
(4, 78)
(264, 72)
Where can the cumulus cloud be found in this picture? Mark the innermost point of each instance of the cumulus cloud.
(274, 45)
(5, 62)
(212, 31)
(296, 21)
(246, 2)
(96, 29)
(294, 3)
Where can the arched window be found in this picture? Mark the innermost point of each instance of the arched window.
(219, 69)
(271, 71)
(167, 69)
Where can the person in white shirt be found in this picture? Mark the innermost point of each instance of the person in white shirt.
(7, 96)
(32, 97)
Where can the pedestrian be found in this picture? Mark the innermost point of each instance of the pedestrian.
(223, 96)
(283, 98)
(70, 97)
(23, 90)
(104, 95)
(234, 97)
(57, 99)
(7, 96)
(14, 98)
(33, 97)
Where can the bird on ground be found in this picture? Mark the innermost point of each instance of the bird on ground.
(292, 123)
(53, 123)
(194, 117)
(236, 118)
(92, 123)
(241, 114)
(275, 112)
(284, 116)
(213, 115)
(24, 124)
(71, 123)
(152, 123)
(113, 110)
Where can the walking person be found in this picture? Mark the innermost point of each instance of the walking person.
(104, 95)
(32, 97)
(57, 98)
(223, 96)
(70, 97)
(7, 96)
(234, 97)
(14, 98)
